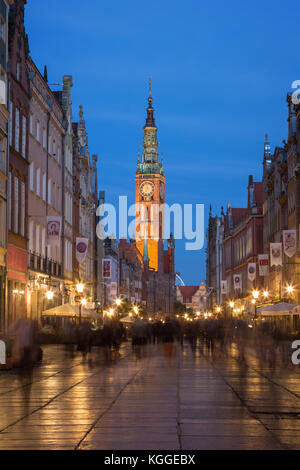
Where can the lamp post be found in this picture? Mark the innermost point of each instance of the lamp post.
(80, 289)
(118, 302)
(255, 295)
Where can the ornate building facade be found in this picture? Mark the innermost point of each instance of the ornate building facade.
(45, 196)
(4, 167)
(19, 105)
(84, 206)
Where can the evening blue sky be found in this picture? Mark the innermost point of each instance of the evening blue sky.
(220, 72)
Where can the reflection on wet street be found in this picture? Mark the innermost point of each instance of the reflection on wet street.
(160, 396)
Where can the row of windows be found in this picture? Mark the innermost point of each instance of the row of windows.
(37, 239)
(41, 136)
(16, 200)
(37, 184)
(19, 130)
(38, 242)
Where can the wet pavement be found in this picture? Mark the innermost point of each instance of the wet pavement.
(153, 397)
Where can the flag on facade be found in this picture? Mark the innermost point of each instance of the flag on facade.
(263, 265)
(251, 271)
(289, 242)
(106, 268)
(53, 230)
(82, 245)
(223, 287)
(237, 281)
(276, 254)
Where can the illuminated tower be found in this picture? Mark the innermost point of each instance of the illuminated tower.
(150, 194)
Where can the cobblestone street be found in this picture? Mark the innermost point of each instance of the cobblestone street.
(154, 397)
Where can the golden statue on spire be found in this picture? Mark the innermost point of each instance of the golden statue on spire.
(150, 86)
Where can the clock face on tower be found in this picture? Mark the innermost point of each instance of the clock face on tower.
(147, 189)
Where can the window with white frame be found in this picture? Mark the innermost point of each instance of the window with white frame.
(31, 176)
(16, 205)
(24, 126)
(17, 130)
(38, 182)
(49, 191)
(43, 250)
(22, 221)
(38, 131)
(10, 122)
(30, 235)
(37, 239)
(44, 187)
(44, 138)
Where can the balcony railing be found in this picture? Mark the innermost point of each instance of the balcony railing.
(44, 265)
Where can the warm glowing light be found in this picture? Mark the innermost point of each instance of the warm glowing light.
(15, 291)
(234, 310)
(150, 319)
(118, 302)
(266, 293)
(136, 309)
(83, 301)
(253, 301)
(290, 289)
(255, 294)
(231, 304)
(130, 314)
(80, 287)
(238, 310)
(218, 309)
(49, 294)
(198, 314)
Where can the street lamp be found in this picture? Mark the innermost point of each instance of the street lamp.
(290, 289)
(49, 294)
(255, 294)
(136, 309)
(80, 288)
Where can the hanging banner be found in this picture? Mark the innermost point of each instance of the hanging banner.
(263, 265)
(106, 268)
(251, 271)
(223, 287)
(276, 254)
(289, 242)
(53, 230)
(82, 246)
(237, 281)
